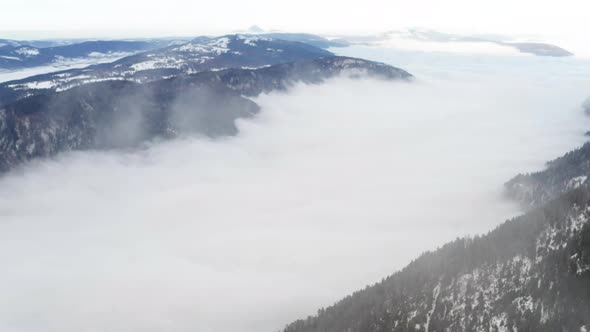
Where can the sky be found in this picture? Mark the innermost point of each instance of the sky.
(115, 18)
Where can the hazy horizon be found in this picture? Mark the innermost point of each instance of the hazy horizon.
(501, 16)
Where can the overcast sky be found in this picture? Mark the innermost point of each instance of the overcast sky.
(91, 18)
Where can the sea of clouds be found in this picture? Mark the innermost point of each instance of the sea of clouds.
(330, 188)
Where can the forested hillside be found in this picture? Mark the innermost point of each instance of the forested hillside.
(531, 273)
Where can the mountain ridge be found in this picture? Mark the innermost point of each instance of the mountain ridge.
(125, 114)
(200, 54)
(26, 56)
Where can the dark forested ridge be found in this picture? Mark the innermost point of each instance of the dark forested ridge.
(252, 82)
(562, 174)
(531, 273)
(196, 87)
(123, 114)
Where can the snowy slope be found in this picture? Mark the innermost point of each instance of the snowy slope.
(201, 54)
(17, 56)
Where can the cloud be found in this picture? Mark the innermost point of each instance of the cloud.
(329, 188)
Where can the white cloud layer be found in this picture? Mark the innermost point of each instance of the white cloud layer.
(331, 187)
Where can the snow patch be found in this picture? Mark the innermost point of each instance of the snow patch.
(576, 182)
(27, 51)
(33, 85)
(10, 57)
(252, 40)
(435, 293)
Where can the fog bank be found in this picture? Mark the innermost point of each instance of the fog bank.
(330, 188)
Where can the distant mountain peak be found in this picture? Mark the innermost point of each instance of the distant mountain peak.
(255, 29)
(222, 44)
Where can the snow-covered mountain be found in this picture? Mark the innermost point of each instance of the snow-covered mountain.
(37, 43)
(255, 29)
(200, 54)
(18, 56)
(124, 114)
(216, 53)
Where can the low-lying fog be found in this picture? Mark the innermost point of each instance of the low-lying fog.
(330, 188)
